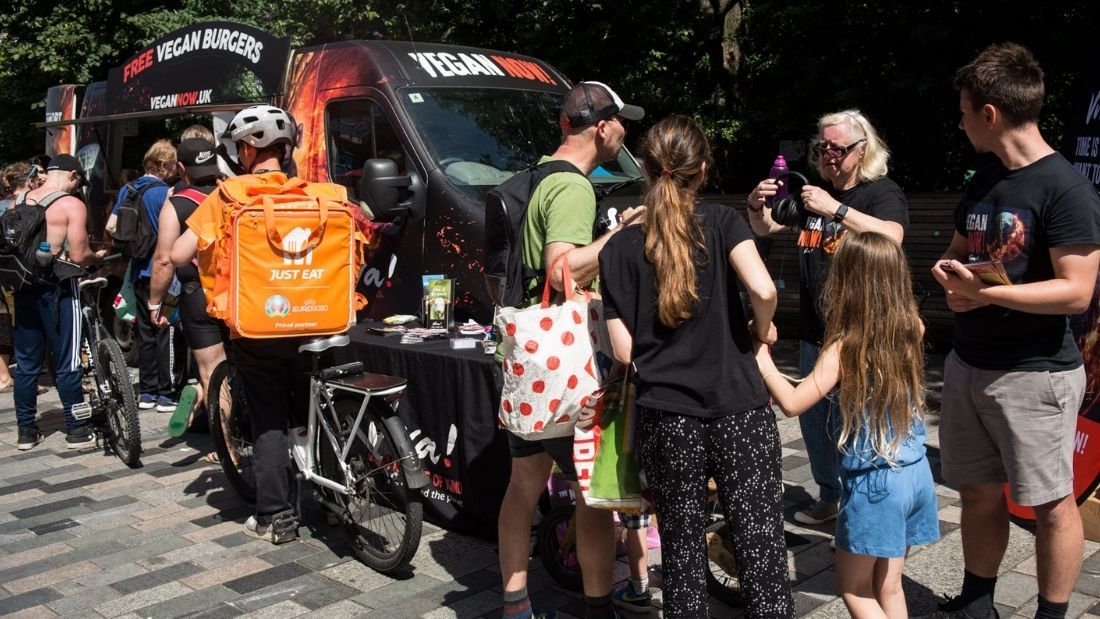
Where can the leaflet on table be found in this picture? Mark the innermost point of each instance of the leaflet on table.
(440, 303)
(991, 272)
(424, 279)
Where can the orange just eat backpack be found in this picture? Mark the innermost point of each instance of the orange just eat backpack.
(279, 257)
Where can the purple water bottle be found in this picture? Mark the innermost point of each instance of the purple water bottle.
(779, 171)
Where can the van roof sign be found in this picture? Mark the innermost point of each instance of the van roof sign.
(206, 63)
(431, 64)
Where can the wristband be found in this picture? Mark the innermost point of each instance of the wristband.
(841, 211)
(153, 308)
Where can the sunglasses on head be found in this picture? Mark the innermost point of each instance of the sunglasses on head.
(826, 150)
(32, 173)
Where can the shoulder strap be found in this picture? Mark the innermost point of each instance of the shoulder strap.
(558, 165)
(191, 194)
(47, 200)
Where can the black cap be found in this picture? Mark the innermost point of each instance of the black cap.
(67, 163)
(198, 158)
(590, 102)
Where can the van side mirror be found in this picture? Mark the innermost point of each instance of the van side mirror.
(382, 188)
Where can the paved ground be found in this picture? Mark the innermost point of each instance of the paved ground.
(83, 536)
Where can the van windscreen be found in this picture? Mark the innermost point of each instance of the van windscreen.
(480, 137)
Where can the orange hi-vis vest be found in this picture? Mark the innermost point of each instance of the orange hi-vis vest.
(279, 257)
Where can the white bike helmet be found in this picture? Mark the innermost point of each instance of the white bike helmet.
(261, 126)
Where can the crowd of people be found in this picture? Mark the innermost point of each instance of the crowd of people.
(689, 303)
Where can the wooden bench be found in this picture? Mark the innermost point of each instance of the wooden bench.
(930, 231)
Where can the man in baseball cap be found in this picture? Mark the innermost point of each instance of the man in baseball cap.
(590, 102)
(198, 159)
(67, 163)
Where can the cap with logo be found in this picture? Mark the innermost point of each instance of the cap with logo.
(590, 102)
(198, 158)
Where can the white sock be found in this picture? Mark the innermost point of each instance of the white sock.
(640, 584)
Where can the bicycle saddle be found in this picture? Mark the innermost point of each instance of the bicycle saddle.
(321, 344)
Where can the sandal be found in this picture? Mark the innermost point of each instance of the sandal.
(212, 458)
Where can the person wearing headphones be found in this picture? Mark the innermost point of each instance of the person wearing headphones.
(851, 157)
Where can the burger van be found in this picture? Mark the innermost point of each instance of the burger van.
(419, 132)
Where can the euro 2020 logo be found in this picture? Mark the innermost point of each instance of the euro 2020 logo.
(277, 306)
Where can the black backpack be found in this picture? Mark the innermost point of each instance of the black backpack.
(507, 279)
(22, 228)
(133, 235)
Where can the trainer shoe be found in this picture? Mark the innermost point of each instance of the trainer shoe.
(280, 528)
(820, 512)
(626, 597)
(28, 437)
(166, 404)
(941, 611)
(76, 438)
(147, 401)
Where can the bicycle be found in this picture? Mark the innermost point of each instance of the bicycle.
(111, 402)
(354, 449)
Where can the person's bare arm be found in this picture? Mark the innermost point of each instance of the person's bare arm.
(168, 231)
(1068, 292)
(622, 343)
(76, 233)
(185, 248)
(819, 201)
(584, 262)
(796, 400)
(750, 269)
(760, 216)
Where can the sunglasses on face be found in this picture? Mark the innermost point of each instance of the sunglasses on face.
(828, 151)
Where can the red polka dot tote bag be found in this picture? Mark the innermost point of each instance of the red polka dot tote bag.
(550, 372)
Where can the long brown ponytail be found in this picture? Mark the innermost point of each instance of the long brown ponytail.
(674, 152)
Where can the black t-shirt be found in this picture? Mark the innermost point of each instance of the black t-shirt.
(818, 239)
(184, 207)
(704, 368)
(1016, 216)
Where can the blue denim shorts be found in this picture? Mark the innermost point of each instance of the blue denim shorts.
(883, 511)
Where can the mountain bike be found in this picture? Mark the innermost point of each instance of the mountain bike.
(111, 403)
(354, 449)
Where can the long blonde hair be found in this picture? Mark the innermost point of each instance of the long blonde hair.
(871, 314)
(674, 152)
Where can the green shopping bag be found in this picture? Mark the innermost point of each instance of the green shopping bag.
(603, 450)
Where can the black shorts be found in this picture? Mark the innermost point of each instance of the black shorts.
(560, 449)
(200, 329)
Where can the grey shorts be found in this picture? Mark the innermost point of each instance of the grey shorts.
(1007, 426)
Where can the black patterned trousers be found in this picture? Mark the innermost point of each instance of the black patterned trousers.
(742, 453)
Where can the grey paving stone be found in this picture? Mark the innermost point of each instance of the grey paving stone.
(188, 604)
(156, 577)
(331, 558)
(233, 539)
(327, 592)
(35, 597)
(27, 485)
(29, 540)
(220, 611)
(396, 592)
(461, 587)
(79, 603)
(80, 482)
(141, 599)
(38, 473)
(58, 525)
(288, 552)
(275, 592)
(27, 569)
(152, 549)
(259, 580)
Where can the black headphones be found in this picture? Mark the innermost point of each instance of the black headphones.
(590, 115)
(788, 211)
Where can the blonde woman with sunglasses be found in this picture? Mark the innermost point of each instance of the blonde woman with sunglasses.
(851, 160)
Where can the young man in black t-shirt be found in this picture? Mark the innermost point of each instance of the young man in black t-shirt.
(1014, 382)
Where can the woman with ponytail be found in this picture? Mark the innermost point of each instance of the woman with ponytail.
(671, 291)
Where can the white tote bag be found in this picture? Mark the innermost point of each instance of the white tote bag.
(550, 372)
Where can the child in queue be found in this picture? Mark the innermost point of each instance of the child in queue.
(873, 351)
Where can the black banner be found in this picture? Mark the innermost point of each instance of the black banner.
(213, 62)
(1082, 142)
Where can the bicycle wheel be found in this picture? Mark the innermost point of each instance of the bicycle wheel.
(556, 544)
(231, 430)
(383, 516)
(722, 578)
(120, 400)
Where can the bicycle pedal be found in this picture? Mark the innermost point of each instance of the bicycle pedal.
(81, 411)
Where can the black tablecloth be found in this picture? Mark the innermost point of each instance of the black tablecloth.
(450, 410)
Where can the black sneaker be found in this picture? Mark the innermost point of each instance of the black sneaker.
(28, 438)
(78, 438)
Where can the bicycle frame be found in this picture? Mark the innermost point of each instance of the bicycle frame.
(320, 426)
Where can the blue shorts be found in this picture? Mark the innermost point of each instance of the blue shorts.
(884, 511)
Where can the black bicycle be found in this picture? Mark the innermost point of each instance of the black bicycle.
(111, 403)
(354, 449)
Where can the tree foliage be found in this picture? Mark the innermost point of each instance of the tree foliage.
(751, 72)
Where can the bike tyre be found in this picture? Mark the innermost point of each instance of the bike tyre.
(241, 475)
(722, 585)
(124, 434)
(391, 549)
(551, 533)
